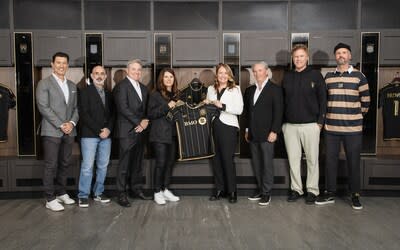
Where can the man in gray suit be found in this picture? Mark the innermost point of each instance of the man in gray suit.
(56, 99)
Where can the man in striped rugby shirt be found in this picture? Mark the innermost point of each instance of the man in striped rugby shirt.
(348, 101)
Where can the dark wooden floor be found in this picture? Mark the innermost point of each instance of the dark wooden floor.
(196, 223)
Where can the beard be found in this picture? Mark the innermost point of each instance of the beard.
(99, 81)
(342, 61)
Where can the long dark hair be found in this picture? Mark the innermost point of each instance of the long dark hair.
(231, 81)
(161, 87)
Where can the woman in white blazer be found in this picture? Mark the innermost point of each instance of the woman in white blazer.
(225, 95)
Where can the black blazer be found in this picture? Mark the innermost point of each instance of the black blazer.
(129, 108)
(94, 116)
(161, 129)
(266, 115)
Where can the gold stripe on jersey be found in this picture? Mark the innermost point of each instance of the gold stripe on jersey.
(364, 110)
(342, 79)
(344, 116)
(343, 128)
(350, 92)
(335, 104)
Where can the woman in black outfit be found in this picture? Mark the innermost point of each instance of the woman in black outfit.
(163, 133)
(226, 96)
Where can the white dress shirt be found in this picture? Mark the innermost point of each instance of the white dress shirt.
(258, 90)
(136, 85)
(63, 85)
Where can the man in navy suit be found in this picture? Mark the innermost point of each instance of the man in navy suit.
(263, 111)
(97, 120)
(130, 97)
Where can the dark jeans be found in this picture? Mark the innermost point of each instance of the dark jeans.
(165, 160)
(262, 156)
(352, 147)
(130, 165)
(225, 138)
(57, 157)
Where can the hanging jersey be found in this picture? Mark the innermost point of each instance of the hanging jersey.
(193, 125)
(194, 93)
(389, 101)
(7, 101)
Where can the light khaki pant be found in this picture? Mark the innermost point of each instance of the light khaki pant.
(306, 136)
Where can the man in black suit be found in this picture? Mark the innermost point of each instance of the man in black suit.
(263, 111)
(130, 97)
(97, 120)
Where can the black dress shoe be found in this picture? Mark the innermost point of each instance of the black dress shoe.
(217, 196)
(123, 200)
(293, 196)
(141, 196)
(232, 197)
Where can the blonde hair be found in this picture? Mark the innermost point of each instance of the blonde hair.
(299, 46)
(231, 80)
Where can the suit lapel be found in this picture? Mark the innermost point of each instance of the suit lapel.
(107, 102)
(71, 95)
(263, 92)
(134, 90)
(252, 93)
(143, 89)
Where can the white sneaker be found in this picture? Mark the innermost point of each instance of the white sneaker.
(159, 198)
(65, 199)
(54, 206)
(169, 196)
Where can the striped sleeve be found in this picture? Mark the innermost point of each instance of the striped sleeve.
(365, 98)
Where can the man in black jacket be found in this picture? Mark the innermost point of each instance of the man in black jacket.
(130, 98)
(305, 108)
(263, 111)
(96, 111)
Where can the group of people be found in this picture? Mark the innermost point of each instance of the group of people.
(301, 107)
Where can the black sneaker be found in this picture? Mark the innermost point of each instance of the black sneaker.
(325, 198)
(83, 202)
(311, 198)
(265, 200)
(255, 197)
(293, 196)
(355, 201)
(102, 198)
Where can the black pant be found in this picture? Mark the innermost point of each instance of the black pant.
(57, 157)
(262, 156)
(225, 139)
(352, 147)
(165, 159)
(130, 164)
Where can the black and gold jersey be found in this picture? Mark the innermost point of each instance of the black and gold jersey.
(193, 125)
(389, 101)
(194, 93)
(7, 101)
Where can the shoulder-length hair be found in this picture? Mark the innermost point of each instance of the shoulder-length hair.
(231, 80)
(160, 83)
